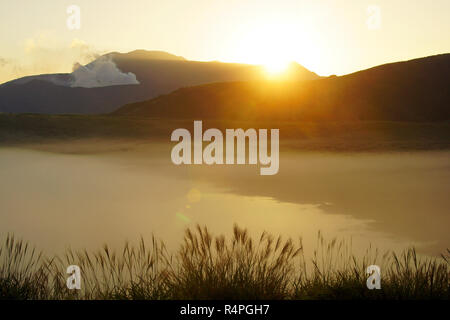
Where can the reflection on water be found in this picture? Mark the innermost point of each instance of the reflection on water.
(84, 200)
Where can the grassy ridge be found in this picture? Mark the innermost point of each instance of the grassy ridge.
(330, 136)
(213, 267)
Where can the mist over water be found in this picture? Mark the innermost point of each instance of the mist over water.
(56, 198)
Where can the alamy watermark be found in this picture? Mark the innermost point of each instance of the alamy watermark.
(374, 17)
(215, 153)
(74, 280)
(73, 21)
(374, 279)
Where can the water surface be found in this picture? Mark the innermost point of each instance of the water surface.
(84, 199)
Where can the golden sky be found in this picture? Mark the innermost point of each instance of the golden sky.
(326, 36)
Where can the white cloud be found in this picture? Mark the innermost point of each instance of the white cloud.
(101, 73)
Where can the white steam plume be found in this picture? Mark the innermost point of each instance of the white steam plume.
(102, 72)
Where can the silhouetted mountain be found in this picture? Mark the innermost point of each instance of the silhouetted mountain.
(39, 96)
(147, 55)
(116, 79)
(415, 90)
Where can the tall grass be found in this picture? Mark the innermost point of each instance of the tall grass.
(23, 272)
(214, 267)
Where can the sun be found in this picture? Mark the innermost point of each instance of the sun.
(276, 67)
(271, 45)
(275, 44)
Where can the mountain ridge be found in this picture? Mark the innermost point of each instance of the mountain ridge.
(413, 90)
(155, 73)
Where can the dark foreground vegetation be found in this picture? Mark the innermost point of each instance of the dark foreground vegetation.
(213, 267)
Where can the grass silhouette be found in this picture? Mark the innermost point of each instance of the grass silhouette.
(213, 267)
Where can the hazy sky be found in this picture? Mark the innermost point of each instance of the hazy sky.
(326, 36)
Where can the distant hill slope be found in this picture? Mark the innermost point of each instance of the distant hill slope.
(147, 74)
(415, 90)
